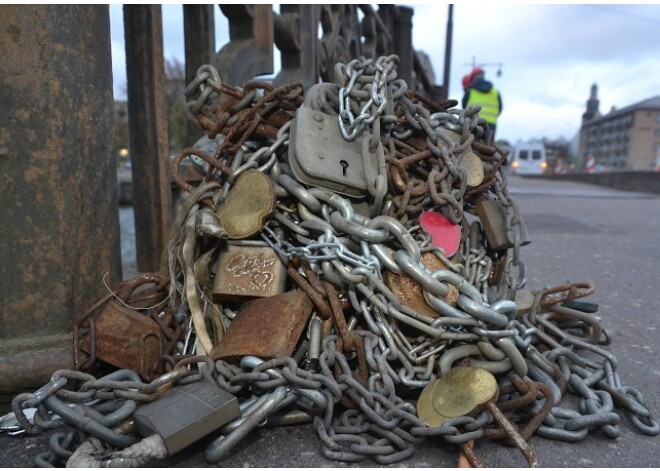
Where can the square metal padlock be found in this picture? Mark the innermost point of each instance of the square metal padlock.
(186, 413)
(248, 272)
(125, 339)
(266, 328)
(320, 156)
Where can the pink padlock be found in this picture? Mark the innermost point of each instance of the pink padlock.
(444, 233)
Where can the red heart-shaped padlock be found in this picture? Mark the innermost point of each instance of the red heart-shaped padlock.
(444, 233)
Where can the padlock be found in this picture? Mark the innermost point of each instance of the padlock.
(320, 156)
(266, 327)
(492, 217)
(249, 204)
(524, 302)
(119, 335)
(410, 293)
(473, 166)
(247, 270)
(186, 413)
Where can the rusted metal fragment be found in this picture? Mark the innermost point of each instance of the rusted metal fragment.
(266, 328)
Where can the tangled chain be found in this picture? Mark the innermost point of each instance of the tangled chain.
(375, 347)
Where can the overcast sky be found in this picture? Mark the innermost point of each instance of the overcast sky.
(550, 55)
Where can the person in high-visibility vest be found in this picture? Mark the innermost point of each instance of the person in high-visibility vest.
(482, 93)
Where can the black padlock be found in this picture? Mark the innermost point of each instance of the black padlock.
(186, 413)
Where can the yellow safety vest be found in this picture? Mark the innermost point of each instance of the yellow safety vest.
(489, 102)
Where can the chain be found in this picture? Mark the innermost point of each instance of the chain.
(365, 343)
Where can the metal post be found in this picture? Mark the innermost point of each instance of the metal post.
(199, 33)
(59, 220)
(152, 195)
(403, 47)
(450, 27)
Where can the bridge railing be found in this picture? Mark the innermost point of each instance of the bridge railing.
(60, 238)
(311, 39)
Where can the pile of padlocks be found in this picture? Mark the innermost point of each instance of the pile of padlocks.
(350, 258)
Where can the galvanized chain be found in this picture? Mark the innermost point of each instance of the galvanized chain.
(342, 253)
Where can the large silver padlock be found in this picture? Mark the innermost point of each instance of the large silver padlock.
(320, 156)
(186, 413)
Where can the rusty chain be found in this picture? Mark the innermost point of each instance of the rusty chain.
(374, 345)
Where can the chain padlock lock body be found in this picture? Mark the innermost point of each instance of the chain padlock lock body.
(493, 219)
(123, 337)
(266, 328)
(186, 413)
(249, 205)
(248, 271)
(320, 156)
(524, 301)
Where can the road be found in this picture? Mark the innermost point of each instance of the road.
(579, 233)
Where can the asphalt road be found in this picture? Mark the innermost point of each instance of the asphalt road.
(580, 233)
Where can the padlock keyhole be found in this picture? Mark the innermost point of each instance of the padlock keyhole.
(344, 166)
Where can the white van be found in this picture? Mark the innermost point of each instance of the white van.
(528, 158)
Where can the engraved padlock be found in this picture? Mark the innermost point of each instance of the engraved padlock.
(247, 270)
(266, 327)
(320, 156)
(185, 414)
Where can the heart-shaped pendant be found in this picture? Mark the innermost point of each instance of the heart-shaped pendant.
(248, 206)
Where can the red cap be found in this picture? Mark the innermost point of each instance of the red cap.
(466, 80)
(476, 70)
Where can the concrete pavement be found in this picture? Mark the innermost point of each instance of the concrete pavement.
(579, 232)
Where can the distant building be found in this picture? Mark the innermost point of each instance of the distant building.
(626, 138)
(556, 150)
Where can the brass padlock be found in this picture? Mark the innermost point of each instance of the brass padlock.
(473, 166)
(186, 413)
(248, 206)
(266, 327)
(320, 156)
(247, 272)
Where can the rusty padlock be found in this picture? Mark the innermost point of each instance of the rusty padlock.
(265, 327)
(410, 293)
(248, 270)
(114, 330)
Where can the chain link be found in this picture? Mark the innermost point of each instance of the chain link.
(342, 253)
